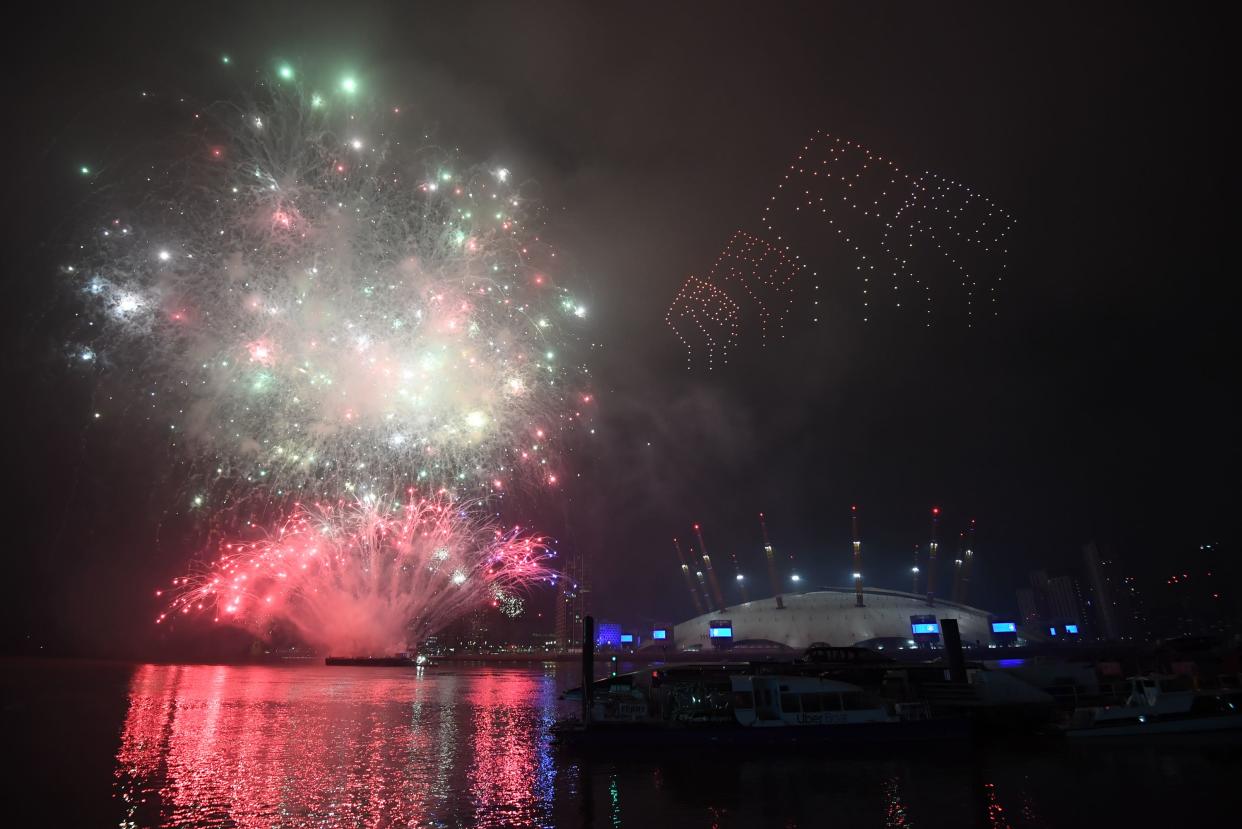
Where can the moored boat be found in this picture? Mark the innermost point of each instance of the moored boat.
(724, 705)
(1161, 706)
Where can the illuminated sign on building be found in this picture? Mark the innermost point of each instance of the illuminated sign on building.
(659, 633)
(720, 633)
(1072, 629)
(627, 639)
(1052, 631)
(1004, 627)
(720, 629)
(608, 633)
(925, 629)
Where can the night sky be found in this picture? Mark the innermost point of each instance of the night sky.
(1094, 406)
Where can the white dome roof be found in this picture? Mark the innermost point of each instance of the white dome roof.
(830, 615)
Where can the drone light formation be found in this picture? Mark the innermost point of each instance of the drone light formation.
(917, 242)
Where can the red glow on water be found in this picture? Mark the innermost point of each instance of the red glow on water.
(235, 746)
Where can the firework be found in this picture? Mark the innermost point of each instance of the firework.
(315, 301)
(364, 577)
(323, 308)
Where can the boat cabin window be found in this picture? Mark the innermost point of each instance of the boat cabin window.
(853, 701)
(1211, 705)
(743, 700)
(812, 704)
(789, 703)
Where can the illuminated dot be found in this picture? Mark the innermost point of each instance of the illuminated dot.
(348, 84)
(285, 71)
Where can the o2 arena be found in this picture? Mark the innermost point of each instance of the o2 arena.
(831, 615)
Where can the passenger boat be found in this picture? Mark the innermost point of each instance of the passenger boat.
(1161, 705)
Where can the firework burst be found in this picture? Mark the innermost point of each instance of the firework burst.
(316, 301)
(359, 578)
(323, 308)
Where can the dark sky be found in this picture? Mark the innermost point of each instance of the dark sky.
(1094, 406)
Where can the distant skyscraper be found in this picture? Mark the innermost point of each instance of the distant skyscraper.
(1028, 610)
(1064, 601)
(1105, 603)
(1052, 602)
(571, 598)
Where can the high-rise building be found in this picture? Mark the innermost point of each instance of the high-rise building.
(1103, 593)
(1028, 609)
(571, 603)
(1064, 601)
(1052, 602)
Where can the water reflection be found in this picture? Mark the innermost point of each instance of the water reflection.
(270, 746)
(317, 746)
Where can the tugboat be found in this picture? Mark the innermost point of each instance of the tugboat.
(1161, 705)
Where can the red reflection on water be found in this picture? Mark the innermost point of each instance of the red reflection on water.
(996, 812)
(255, 746)
(511, 758)
(896, 813)
(317, 746)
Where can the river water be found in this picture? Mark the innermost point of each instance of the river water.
(93, 744)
